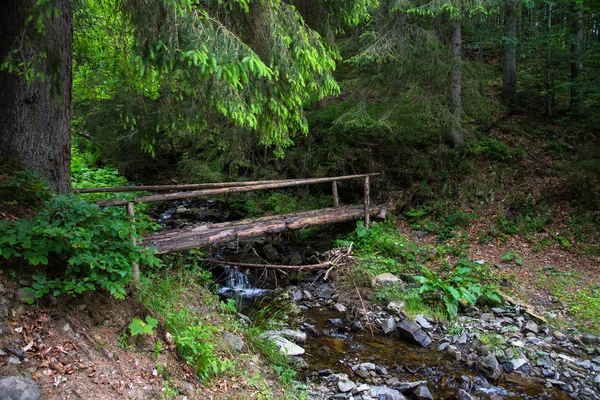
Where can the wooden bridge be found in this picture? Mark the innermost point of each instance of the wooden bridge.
(167, 241)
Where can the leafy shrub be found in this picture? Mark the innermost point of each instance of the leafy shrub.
(139, 327)
(460, 285)
(493, 149)
(94, 244)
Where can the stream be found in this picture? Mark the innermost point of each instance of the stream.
(337, 356)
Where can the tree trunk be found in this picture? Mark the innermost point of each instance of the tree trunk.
(453, 127)
(576, 103)
(509, 66)
(549, 88)
(35, 119)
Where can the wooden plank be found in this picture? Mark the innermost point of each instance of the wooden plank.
(229, 190)
(336, 197)
(228, 233)
(248, 265)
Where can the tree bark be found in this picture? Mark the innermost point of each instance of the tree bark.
(549, 88)
(576, 102)
(453, 127)
(35, 119)
(509, 65)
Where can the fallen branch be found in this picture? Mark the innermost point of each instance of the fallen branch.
(248, 265)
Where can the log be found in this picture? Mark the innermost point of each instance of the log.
(227, 233)
(247, 265)
(134, 265)
(367, 203)
(336, 198)
(228, 190)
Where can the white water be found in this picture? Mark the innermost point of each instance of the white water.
(237, 283)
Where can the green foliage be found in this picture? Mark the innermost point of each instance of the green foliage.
(139, 327)
(94, 244)
(22, 187)
(512, 256)
(460, 285)
(493, 149)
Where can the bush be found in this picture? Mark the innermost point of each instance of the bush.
(94, 244)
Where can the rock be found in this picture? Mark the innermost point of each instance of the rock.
(361, 388)
(558, 335)
(19, 388)
(413, 331)
(346, 386)
(270, 252)
(387, 279)
(339, 307)
(409, 386)
(589, 339)
(419, 234)
(363, 373)
(325, 291)
(480, 262)
(293, 335)
(464, 395)
(396, 307)
(514, 364)
(463, 338)
(234, 342)
(388, 325)
(295, 258)
(420, 319)
(335, 321)
(298, 363)
(366, 366)
(498, 310)
(423, 393)
(325, 372)
(14, 360)
(24, 296)
(489, 366)
(286, 346)
(382, 392)
(307, 295)
(296, 294)
(443, 346)
(532, 327)
(597, 379)
(487, 317)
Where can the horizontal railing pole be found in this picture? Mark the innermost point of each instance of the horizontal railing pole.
(196, 186)
(229, 190)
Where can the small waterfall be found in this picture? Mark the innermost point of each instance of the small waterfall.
(236, 283)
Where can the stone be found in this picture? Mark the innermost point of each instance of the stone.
(361, 388)
(487, 317)
(339, 307)
(423, 393)
(443, 346)
(270, 252)
(597, 379)
(19, 388)
(489, 366)
(381, 370)
(409, 386)
(363, 373)
(234, 342)
(463, 338)
(346, 386)
(558, 335)
(382, 392)
(464, 395)
(589, 339)
(388, 325)
(325, 291)
(396, 307)
(532, 327)
(335, 321)
(387, 279)
(413, 331)
(296, 294)
(295, 258)
(480, 262)
(24, 296)
(287, 347)
(307, 295)
(420, 319)
(514, 364)
(14, 360)
(366, 366)
(498, 310)
(293, 335)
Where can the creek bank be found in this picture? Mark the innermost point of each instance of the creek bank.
(508, 351)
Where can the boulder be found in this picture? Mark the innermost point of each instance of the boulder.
(286, 346)
(532, 327)
(411, 330)
(420, 319)
(270, 252)
(234, 342)
(388, 325)
(387, 279)
(489, 366)
(423, 393)
(293, 335)
(396, 307)
(384, 392)
(514, 364)
(19, 388)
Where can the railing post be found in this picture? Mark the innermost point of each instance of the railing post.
(367, 203)
(336, 198)
(136, 267)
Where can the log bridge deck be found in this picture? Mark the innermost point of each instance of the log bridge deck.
(167, 241)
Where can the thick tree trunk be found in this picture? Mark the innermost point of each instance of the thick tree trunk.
(549, 88)
(35, 119)
(453, 127)
(509, 66)
(576, 103)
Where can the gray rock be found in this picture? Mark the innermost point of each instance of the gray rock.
(381, 370)
(413, 331)
(489, 366)
(396, 307)
(295, 258)
(286, 346)
(420, 319)
(363, 373)
(19, 388)
(270, 252)
(597, 379)
(387, 279)
(24, 296)
(339, 307)
(14, 360)
(514, 364)
(498, 310)
(388, 325)
(464, 395)
(463, 338)
(366, 366)
(589, 339)
(386, 393)
(325, 291)
(296, 294)
(419, 234)
(532, 327)
(293, 335)
(234, 342)
(361, 388)
(558, 335)
(307, 295)
(409, 386)
(346, 386)
(443, 346)
(487, 317)
(423, 393)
